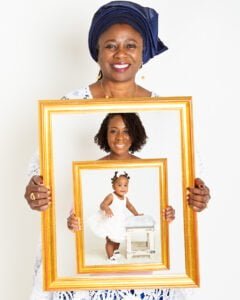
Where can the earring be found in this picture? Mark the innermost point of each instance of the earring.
(142, 76)
(100, 75)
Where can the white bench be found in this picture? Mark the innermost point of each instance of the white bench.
(136, 227)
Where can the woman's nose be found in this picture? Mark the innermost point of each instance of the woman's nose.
(120, 52)
(119, 136)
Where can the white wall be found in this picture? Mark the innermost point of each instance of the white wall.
(44, 54)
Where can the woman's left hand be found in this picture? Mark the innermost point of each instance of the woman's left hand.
(169, 213)
(198, 196)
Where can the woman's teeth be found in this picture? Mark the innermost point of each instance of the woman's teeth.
(123, 66)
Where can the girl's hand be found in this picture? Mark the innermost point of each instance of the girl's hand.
(73, 222)
(198, 196)
(37, 194)
(108, 212)
(169, 214)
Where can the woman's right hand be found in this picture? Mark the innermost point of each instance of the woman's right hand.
(37, 194)
(73, 222)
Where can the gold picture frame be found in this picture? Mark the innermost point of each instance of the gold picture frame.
(155, 256)
(59, 125)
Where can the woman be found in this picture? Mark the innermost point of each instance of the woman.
(123, 36)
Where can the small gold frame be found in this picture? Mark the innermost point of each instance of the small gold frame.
(78, 169)
(52, 280)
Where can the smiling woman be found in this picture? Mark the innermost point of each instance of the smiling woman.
(120, 56)
(120, 50)
(123, 36)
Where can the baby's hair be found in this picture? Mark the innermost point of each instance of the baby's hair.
(135, 128)
(116, 176)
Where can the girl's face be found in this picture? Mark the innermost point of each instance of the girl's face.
(120, 52)
(120, 186)
(118, 137)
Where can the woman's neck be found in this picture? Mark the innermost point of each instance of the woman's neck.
(113, 156)
(109, 89)
(118, 89)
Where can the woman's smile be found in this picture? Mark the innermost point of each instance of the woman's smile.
(120, 67)
(120, 146)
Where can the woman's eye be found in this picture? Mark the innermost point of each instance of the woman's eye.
(110, 46)
(112, 131)
(131, 46)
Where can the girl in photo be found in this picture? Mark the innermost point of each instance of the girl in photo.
(109, 223)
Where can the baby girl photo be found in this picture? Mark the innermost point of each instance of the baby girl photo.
(120, 230)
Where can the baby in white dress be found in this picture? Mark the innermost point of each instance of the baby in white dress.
(109, 223)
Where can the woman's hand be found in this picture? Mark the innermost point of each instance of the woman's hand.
(198, 196)
(169, 213)
(37, 194)
(73, 222)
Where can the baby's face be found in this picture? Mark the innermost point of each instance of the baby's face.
(120, 186)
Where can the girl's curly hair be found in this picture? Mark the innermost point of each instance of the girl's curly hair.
(116, 176)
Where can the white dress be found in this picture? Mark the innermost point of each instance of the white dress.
(143, 294)
(111, 227)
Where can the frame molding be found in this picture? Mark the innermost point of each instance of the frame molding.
(52, 281)
(161, 164)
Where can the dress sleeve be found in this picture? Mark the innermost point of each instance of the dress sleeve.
(34, 166)
(82, 93)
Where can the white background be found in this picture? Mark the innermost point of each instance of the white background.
(44, 54)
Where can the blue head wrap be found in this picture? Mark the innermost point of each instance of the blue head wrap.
(142, 19)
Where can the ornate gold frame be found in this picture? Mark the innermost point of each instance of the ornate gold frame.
(52, 280)
(78, 167)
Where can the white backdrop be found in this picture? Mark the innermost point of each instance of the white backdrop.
(44, 54)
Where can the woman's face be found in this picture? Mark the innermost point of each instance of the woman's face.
(118, 137)
(120, 52)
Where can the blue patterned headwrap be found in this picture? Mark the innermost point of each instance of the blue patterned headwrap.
(142, 19)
